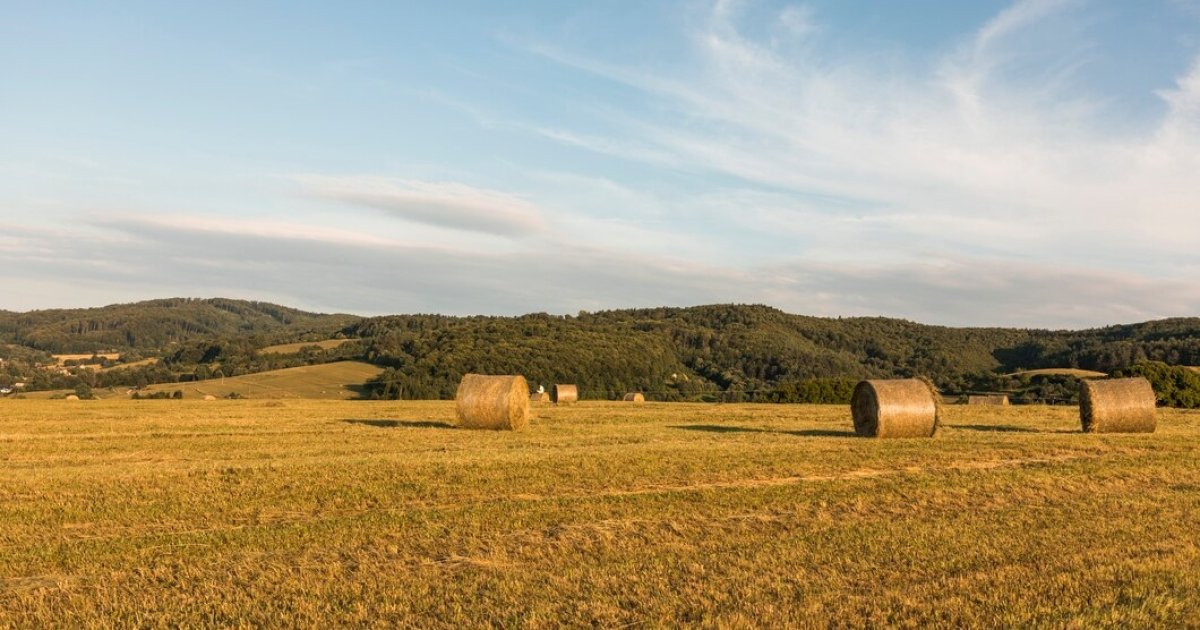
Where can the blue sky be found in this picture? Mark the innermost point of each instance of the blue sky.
(1031, 163)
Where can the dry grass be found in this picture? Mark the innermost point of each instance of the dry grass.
(326, 513)
(63, 358)
(293, 348)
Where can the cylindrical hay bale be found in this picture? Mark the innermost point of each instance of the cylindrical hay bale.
(1000, 400)
(492, 402)
(564, 394)
(635, 397)
(1119, 405)
(895, 408)
(539, 397)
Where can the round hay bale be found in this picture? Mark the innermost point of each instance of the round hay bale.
(1000, 400)
(492, 402)
(71, 397)
(897, 408)
(635, 397)
(209, 397)
(1119, 405)
(564, 394)
(539, 397)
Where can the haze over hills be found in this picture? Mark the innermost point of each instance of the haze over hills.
(679, 352)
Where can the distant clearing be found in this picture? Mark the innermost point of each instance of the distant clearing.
(293, 348)
(329, 381)
(63, 358)
(132, 364)
(600, 515)
(1060, 372)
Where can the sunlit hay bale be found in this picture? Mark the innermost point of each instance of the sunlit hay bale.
(564, 394)
(999, 400)
(539, 397)
(492, 402)
(1120, 405)
(209, 397)
(71, 397)
(635, 397)
(896, 408)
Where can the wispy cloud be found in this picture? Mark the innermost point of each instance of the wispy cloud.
(443, 204)
(330, 272)
(997, 129)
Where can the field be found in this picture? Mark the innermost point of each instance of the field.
(63, 358)
(329, 381)
(1076, 372)
(293, 348)
(330, 513)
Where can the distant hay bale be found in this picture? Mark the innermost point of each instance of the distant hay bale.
(539, 397)
(896, 408)
(1000, 400)
(209, 397)
(1120, 405)
(635, 397)
(71, 397)
(564, 394)
(492, 402)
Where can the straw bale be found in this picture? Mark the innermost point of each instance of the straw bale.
(1119, 405)
(896, 408)
(492, 402)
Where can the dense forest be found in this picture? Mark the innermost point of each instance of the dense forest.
(153, 325)
(719, 352)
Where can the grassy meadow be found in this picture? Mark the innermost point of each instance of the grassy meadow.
(341, 380)
(329, 513)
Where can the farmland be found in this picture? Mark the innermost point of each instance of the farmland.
(304, 512)
(329, 381)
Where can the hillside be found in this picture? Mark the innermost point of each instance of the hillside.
(342, 380)
(717, 352)
(152, 325)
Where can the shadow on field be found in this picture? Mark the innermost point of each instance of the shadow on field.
(408, 424)
(1004, 428)
(716, 428)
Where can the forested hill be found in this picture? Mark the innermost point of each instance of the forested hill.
(678, 353)
(150, 326)
(687, 351)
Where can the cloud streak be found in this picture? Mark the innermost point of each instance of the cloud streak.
(442, 204)
(329, 272)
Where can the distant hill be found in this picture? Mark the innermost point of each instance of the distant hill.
(737, 348)
(152, 325)
(716, 352)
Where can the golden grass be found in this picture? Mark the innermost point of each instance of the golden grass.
(293, 348)
(327, 513)
(63, 358)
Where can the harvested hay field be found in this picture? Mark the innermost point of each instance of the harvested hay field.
(327, 513)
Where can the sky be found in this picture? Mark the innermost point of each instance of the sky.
(1032, 163)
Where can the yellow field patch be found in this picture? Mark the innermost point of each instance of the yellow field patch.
(293, 348)
(330, 513)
